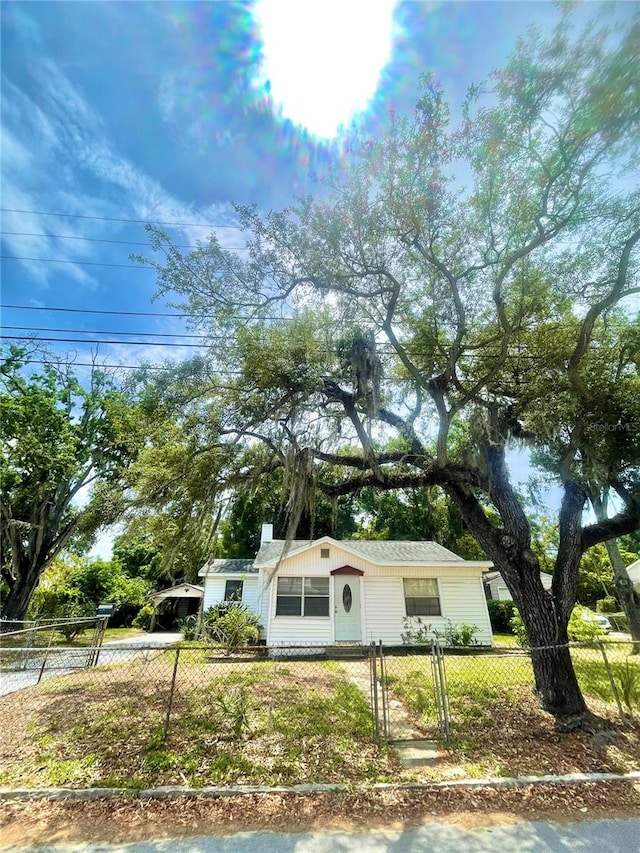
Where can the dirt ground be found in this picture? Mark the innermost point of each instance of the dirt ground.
(122, 820)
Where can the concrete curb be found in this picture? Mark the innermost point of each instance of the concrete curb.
(168, 791)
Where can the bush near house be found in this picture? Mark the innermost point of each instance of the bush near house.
(230, 625)
(500, 615)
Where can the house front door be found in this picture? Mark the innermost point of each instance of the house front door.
(346, 598)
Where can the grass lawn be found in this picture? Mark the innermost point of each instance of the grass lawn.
(505, 639)
(273, 722)
(496, 725)
(232, 723)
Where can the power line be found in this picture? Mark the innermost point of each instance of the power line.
(95, 311)
(84, 263)
(103, 341)
(116, 218)
(103, 332)
(103, 240)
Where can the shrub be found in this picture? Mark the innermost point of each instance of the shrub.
(231, 626)
(500, 613)
(606, 605)
(70, 630)
(517, 627)
(416, 632)
(582, 628)
(461, 635)
(144, 617)
(189, 627)
(579, 629)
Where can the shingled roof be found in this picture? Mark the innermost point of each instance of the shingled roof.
(228, 567)
(381, 552)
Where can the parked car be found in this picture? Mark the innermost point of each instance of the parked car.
(602, 621)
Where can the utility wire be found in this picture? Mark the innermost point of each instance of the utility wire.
(96, 311)
(103, 240)
(103, 341)
(103, 332)
(117, 219)
(85, 263)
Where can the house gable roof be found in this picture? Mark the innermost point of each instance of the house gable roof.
(380, 552)
(181, 590)
(228, 567)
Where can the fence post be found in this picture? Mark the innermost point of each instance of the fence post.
(373, 678)
(443, 688)
(171, 691)
(614, 686)
(386, 725)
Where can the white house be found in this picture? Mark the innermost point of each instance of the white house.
(327, 591)
(496, 589)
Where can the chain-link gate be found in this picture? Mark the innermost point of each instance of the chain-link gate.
(440, 695)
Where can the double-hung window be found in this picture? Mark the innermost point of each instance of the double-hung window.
(302, 597)
(421, 597)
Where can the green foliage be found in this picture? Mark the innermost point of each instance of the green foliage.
(144, 617)
(517, 627)
(628, 678)
(233, 706)
(416, 632)
(88, 583)
(56, 437)
(607, 605)
(463, 634)
(71, 630)
(500, 615)
(582, 628)
(230, 626)
(189, 628)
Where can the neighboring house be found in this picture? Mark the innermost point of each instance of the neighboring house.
(171, 606)
(328, 591)
(634, 573)
(496, 589)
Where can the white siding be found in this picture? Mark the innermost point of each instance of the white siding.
(295, 630)
(383, 610)
(214, 590)
(463, 600)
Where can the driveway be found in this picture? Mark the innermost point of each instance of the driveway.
(63, 661)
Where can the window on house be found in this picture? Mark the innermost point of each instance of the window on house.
(324, 553)
(233, 591)
(302, 597)
(421, 597)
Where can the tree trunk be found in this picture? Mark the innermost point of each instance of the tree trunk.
(629, 599)
(556, 683)
(17, 601)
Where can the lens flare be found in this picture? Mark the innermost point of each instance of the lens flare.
(322, 61)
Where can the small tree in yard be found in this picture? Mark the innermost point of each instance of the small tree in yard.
(478, 277)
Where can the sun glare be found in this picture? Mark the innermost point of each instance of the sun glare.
(322, 59)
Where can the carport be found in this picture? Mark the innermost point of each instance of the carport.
(171, 606)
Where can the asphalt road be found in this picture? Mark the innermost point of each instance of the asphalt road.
(598, 836)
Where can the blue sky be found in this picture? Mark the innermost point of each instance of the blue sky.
(114, 112)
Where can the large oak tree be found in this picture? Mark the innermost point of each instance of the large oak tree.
(465, 287)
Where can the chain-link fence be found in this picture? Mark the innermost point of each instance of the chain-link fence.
(430, 692)
(137, 715)
(55, 645)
